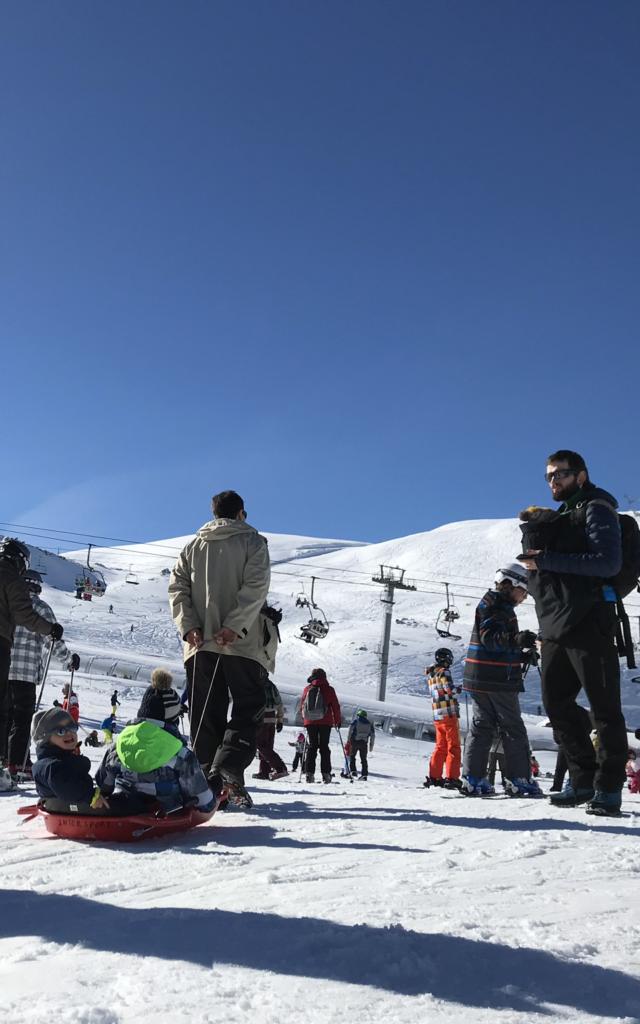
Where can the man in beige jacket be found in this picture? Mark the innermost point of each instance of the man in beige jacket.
(217, 590)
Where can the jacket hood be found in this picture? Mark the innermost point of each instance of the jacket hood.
(591, 491)
(221, 529)
(143, 746)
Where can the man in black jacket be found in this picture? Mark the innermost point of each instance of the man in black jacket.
(572, 554)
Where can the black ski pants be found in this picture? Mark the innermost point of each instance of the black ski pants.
(22, 704)
(225, 748)
(5, 661)
(318, 740)
(269, 759)
(359, 747)
(591, 664)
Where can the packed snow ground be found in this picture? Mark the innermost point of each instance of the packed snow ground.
(375, 900)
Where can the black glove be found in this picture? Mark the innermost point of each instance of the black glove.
(526, 638)
(75, 662)
(57, 704)
(279, 727)
(56, 631)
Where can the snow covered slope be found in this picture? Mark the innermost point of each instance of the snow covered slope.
(465, 555)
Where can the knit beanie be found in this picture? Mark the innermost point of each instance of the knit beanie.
(317, 674)
(160, 701)
(46, 722)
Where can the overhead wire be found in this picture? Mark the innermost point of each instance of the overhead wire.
(156, 550)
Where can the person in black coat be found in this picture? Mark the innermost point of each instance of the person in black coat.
(571, 555)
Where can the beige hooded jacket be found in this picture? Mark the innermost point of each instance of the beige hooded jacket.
(221, 579)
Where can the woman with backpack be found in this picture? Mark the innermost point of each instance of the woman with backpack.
(320, 712)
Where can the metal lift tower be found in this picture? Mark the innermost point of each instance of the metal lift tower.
(392, 578)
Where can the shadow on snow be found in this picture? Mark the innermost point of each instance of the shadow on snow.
(393, 959)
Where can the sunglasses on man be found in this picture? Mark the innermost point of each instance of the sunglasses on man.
(64, 729)
(558, 474)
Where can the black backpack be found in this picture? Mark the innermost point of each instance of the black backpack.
(627, 578)
(314, 707)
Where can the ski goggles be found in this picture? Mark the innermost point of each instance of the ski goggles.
(64, 729)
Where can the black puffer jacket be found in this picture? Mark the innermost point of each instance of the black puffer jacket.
(15, 604)
(62, 774)
(580, 548)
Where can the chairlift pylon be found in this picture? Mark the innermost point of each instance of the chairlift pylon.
(446, 616)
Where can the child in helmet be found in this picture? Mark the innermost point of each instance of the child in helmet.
(493, 678)
(446, 712)
(362, 734)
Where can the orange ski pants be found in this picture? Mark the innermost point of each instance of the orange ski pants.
(447, 750)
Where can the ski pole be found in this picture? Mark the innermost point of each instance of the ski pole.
(344, 753)
(39, 700)
(44, 674)
(304, 758)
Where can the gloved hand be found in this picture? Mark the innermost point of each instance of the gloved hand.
(56, 631)
(74, 662)
(279, 727)
(57, 704)
(526, 638)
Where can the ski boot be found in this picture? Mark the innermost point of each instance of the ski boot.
(432, 781)
(451, 784)
(278, 774)
(310, 777)
(522, 787)
(6, 781)
(327, 777)
(572, 796)
(363, 778)
(229, 791)
(471, 786)
(260, 775)
(605, 805)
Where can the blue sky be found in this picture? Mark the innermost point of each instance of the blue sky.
(367, 263)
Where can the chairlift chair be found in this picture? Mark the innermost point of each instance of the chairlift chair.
(445, 617)
(132, 577)
(314, 630)
(317, 627)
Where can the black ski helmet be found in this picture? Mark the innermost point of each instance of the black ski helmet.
(33, 580)
(444, 657)
(14, 551)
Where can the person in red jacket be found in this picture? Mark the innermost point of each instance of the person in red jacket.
(320, 711)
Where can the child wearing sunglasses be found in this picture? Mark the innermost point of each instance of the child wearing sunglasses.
(60, 774)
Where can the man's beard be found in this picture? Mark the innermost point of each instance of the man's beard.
(564, 493)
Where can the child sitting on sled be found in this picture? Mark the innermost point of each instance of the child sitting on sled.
(150, 758)
(62, 776)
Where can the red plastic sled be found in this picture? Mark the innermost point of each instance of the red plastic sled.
(115, 830)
